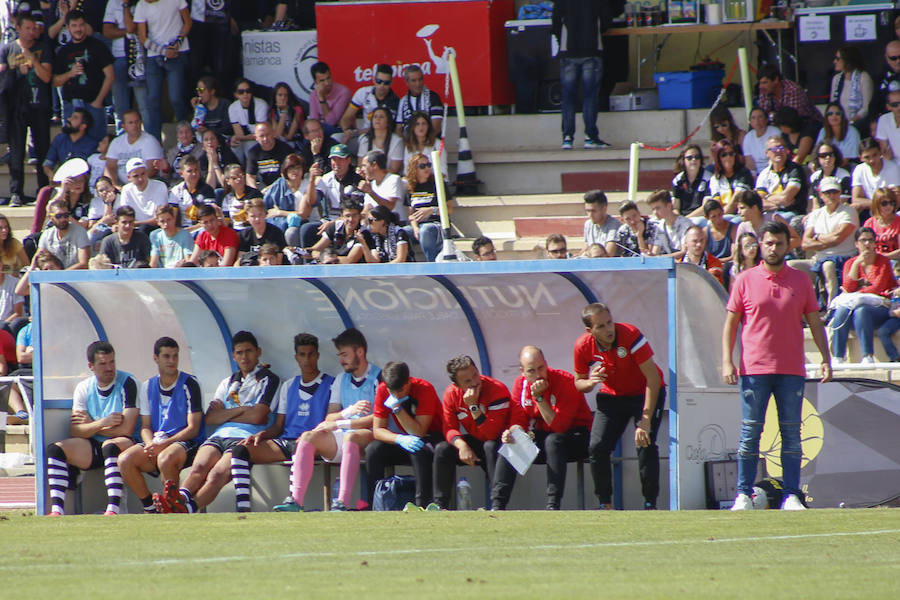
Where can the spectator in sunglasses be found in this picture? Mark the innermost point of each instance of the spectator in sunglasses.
(837, 131)
(783, 185)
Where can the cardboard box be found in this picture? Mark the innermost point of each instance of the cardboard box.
(637, 100)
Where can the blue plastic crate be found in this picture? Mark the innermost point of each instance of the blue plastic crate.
(688, 89)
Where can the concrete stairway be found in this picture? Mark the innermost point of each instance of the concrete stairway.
(518, 224)
(520, 154)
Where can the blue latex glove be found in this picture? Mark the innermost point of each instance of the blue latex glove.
(410, 443)
(393, 403)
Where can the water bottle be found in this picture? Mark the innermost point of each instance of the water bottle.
(463, 494)
(336, 488)
(199, 116)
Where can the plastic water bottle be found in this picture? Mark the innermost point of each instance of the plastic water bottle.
(199, 116)
(463, 494)
(336, 488)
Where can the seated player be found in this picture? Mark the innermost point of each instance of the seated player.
(240, 408)
(557, 415)
(347, 429)
(477, 410)
(104, 415)
(301, 405)
(171, 407)
(407, 426)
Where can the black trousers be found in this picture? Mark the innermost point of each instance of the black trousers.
(381, 454)
(557, 449)
(499, 471)
(38, 119)
(610, 421)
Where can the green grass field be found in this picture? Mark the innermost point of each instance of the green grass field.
(574, 554)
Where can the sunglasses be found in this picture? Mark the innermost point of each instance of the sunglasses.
(893, 57)
(424, 166)
(200, 90)
(866, 240)
(893, 104)
(826, 154)
(243, 91)
(382, 81)
(691, 157)
(833, 113)
(62, 215)
(726, 154)
(776, 149)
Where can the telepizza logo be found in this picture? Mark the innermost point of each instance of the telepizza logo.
(812, 437)
(438, 64)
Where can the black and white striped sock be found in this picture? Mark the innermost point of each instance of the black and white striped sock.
(240, 475)
(57, 478)
(112, 477)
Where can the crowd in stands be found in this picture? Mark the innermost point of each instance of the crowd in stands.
(314, 169)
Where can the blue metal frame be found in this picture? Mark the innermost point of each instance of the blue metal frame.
(40, 458)
(217, 316)
(472, 319)
(672, 319)
(437, 271)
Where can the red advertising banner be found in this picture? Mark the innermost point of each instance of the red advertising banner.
(354, 37)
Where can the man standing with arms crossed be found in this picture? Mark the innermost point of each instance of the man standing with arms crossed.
(619, 358)
(171, 424)
(769, 301)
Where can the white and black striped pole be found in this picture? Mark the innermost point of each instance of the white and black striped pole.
(466, 179)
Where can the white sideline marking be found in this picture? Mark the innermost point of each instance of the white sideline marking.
(364, 553)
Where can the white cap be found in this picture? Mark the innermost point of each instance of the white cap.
(135, 163)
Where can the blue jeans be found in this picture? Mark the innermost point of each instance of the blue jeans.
(590, 70)
(864, 320)
(172, 71)
(121, 92)
(98, 128)
(755, 393)
(431, 239)
(885, 332)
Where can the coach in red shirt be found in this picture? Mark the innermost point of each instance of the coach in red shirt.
(618, 358)
(556, 413)
(477, 410)
(407, 426)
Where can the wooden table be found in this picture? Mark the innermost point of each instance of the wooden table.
(667, 30)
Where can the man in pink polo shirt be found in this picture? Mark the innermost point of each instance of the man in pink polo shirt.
(769, 301)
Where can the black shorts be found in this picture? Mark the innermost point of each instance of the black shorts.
(96, 454)
(221, 444)
(287, 446)
(190, 447)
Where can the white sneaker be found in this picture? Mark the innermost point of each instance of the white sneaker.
(868, 359)
(837, 360)
(792, 502)
(742, 502)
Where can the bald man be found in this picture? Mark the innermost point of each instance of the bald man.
(556, 413)
(888, 82)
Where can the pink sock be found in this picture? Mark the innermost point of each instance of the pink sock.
(302, 470)
(349, 471)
